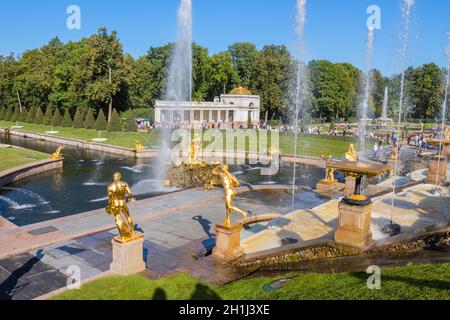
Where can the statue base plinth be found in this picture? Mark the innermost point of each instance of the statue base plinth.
(128, 258)
(326, 187)
(437, 171)
(228, 242)
(354, 225)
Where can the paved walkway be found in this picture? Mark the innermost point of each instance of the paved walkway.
(178, 230)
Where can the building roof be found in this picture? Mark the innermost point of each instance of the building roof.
(240, 91)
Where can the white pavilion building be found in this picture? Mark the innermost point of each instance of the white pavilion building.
(237, 108)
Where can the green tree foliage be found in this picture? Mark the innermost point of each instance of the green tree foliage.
(56, 120)
(115, 124)
(89, 121)
(3, 113)
(48, 117)
(16, 115)
(78, 121)
(244, 55)
(129, 125)
(39, 119)
(31, 117)
(101, 124)
(67, 120)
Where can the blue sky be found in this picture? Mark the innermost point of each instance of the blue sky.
(335, 29)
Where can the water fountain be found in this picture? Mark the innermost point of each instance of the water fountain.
(367, 88)
(391, 228)
(384, 119)
(299, 86)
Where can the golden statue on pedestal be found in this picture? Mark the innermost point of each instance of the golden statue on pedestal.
(352, 154)
(447, 133)
(229, 183)
(139, 147)
(118, 192)
(329, 171)
(193, 150)
(57, 154)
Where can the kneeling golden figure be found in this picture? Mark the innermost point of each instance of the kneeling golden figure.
(118, 192)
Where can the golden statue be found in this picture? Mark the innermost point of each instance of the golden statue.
(193, 150)
(229, 183)
(447, 134)
(394, 153)
(57, 154)
(330, 171)
(352, 154)
(118, 192)
(139, 147)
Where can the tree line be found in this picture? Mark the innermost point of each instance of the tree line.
(89, 74)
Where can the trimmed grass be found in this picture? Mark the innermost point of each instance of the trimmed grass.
(14, 157)
(417, 282)
(308, 145)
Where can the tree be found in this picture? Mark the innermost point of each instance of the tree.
(48, 116)
(67, 120)
(56, 120)
(3, 113)
(31, 117)
(9, 114)
(24, 115)
(78, 121)
(115, 124)
(89, 122)
(243, 55)
(16, 115)
(221, 76)
(129, 125)
(101, 124)
(39, 116)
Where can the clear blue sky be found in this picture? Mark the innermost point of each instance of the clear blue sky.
(335, 29)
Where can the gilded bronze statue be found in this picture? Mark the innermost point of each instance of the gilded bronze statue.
(118, 193)
(329, 171)
(57, 154)
(193, 150)
(352, 154)
(229, 183)
(139, 147)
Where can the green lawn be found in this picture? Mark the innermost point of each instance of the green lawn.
(13, 157)
(410, 282)
(310, 145)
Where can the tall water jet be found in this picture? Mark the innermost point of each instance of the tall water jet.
(406, 6)
(298, 87)
(384, 113)
(444, 106)
(367, 88)
(179, 78)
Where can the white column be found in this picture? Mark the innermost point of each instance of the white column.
(157, 115)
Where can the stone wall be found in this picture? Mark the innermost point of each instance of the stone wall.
(21, 172)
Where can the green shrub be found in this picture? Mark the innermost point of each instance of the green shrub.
(78, 121)
(56, 120)
(16, 115)
(115, 124)
(9, 114)
(31, 115)
(101, 124)
(3, 113)
(48, 117)
(67, 121)
(129, 125)
(89, 122)
(39, 118)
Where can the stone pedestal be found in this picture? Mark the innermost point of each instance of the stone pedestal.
(326, 187)
(353, 227)
(228, 242)
(128, 258)
(437, 171)
(350, 185)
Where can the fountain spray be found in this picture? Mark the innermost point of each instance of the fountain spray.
(299, 84)
(364, 106)
(406, 12)
(444, 106)
(384, 114)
